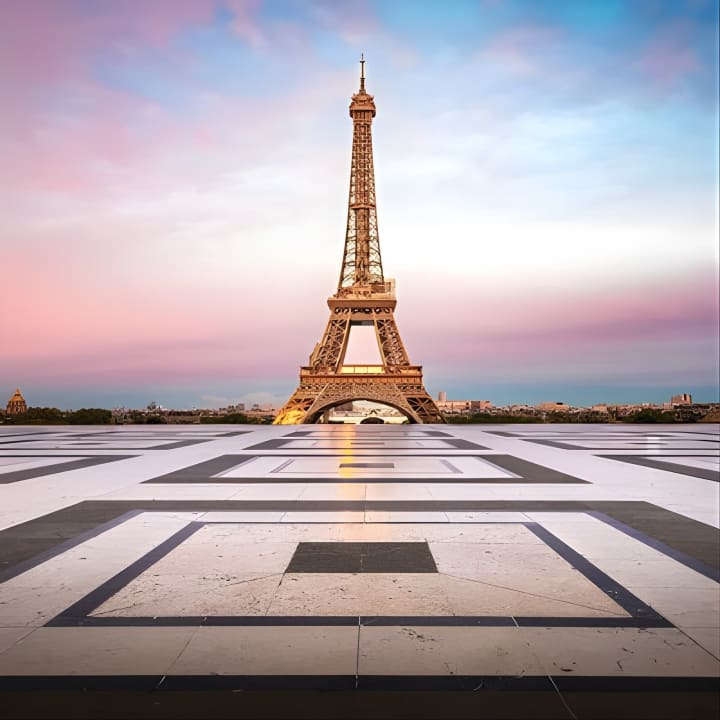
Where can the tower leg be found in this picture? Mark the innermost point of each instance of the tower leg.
(313, 400)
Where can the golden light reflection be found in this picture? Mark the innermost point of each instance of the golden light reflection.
(346, 455)
(291, 416)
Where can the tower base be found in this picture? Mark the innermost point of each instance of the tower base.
(318, 392)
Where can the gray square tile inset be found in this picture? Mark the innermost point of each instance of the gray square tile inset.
(367, 465)
(362, 557)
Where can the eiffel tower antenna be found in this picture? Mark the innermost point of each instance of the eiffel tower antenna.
(363, 297)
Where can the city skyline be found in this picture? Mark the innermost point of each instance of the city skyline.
(551, 166)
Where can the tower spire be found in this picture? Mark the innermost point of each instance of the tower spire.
(361, 270)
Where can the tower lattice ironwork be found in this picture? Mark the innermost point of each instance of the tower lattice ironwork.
(363, 297)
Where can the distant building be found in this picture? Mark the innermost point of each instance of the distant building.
(442, 396)
(682, 399)
(552, 407)
(237, 408)
(16, 404)
(460, 407)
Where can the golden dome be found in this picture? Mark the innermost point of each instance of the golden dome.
(16, 405)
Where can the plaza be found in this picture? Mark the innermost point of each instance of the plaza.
(521, 571)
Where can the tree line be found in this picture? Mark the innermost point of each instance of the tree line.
(53, 416)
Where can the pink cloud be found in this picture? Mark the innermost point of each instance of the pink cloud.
(669, 57)
(48, 51)
(71, 327)
(517, 48)
(500, 323)
(352, 20)
(44, 43)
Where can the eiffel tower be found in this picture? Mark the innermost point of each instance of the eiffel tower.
(363, 297)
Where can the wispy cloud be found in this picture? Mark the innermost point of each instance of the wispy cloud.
(175, 173)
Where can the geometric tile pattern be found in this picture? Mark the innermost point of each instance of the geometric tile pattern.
(362, 468)
(544, 571)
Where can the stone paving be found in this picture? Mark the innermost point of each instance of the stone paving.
(360, 571)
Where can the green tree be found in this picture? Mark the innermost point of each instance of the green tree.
(233, 418)
(89, 416)
(650, 415)
(39, 416)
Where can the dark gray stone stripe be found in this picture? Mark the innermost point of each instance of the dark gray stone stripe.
(357, 621)
(558, 444)
(568, 446)
(668, 465)
(24, 435)
(467, 683)
(693, 539)
(204, 471)
(613, 589)
(55, 550)
(97, 597)
(530, 471)
(178, 444)
(20, 475)
(711, 572)
(524, 470)
(285, 443)
(92, 446)
(290, 480)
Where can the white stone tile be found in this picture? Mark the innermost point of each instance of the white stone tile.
(460, 492)
(258, 491)
(225, 555)
(491, 534)
(168, 491)
(212, 593)
(269, 651)
(537, 571)
(320, 516)
(18, 463)
(397, 491)
(598, 540)
(11, 635)
(396, 516)
(258, 516)
(361, 594)
(619, 651)
(96, 651)
(560, 517)
(334, 491)
(706, 638)
(684, 607)
(487, 517)
(24, 606)
(658, 572)
(473, 597)
(426, 650)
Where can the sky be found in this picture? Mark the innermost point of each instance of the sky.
(174, 179)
